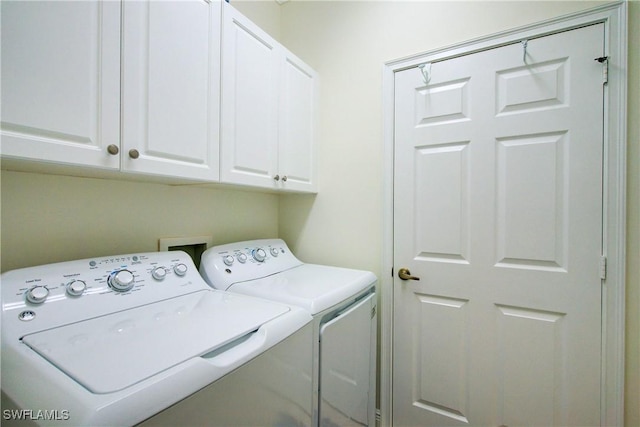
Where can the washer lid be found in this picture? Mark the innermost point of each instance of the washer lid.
(312, 287)
(112, 352)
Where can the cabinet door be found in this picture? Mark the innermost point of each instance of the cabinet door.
(171, 95)
(296, 136)
(61, 81)
(250, 68)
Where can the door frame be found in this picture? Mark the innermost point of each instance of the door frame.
(614, 17)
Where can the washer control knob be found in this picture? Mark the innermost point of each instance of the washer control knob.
(37, 294)
(75, 288)
(242, 258)
(259, 254)
(228, 260)
(274, 251)
(121, 280)
(159, 273)
(180, 269)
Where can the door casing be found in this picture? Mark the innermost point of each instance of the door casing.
(614, 17)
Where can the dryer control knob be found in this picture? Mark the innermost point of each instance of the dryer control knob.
(121, 281)
(159, 273)
(242, 258)
(180, 269)
(259, 254)
(274, 252)
(37, 294)
(76, 287)
(228, 260)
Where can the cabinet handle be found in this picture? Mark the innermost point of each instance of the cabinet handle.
(113, 149)
(277, 178)
(134, 154)
(284, 178)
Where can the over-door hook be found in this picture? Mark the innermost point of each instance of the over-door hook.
(524, 44)
(426, 74)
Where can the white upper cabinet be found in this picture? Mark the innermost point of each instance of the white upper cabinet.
(138, 86)
(171, 88)
(296, 136)
(61, 81)
(268, 107)
(63, 100)
(249, 119)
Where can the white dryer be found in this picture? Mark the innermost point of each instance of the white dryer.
(141, 338)
(343, 304)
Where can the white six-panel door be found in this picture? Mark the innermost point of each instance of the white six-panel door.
(498, 211)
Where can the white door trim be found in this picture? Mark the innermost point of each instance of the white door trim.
(614, 16)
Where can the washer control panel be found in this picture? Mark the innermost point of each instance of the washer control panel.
(256, 255)
(78, 290)
(221, 266)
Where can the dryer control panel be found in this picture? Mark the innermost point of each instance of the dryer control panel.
(225, 265)
(66, 292)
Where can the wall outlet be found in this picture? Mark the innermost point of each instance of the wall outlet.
(194, 246)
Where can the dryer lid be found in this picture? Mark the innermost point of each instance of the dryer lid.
(109, 353)
(312, 287)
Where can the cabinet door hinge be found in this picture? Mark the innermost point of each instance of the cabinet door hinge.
(603, 267)
(604, 60)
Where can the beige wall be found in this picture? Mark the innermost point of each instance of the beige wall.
(47, 218)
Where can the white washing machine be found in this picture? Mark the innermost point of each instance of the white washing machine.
(343, 304)
(141, 338)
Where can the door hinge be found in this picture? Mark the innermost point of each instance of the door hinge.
(603, 267)
(604, 60)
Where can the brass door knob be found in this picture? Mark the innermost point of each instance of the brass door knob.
(113, 149)
(405, 274)
(134, 154)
